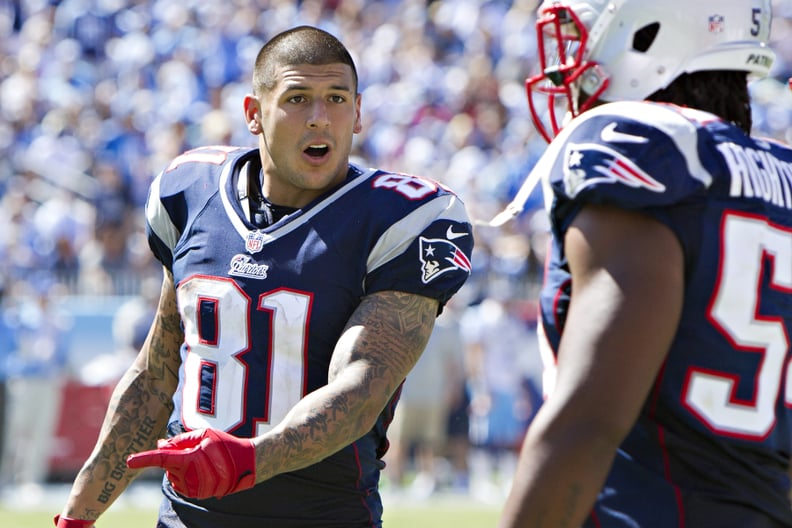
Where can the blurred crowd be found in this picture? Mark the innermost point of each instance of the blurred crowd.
(96, 97)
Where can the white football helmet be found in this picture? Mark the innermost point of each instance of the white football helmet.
(612, 50)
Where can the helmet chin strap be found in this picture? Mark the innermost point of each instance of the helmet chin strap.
(517, 204)
(534, 178)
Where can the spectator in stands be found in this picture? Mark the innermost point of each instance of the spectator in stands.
(418, 432)
(35, 370)
(8, 347)
(86, 82)
(500, 403)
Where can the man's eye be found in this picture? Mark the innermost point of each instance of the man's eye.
(297, 99)
(337, 98)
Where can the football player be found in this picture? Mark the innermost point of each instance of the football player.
(298, 292)
(668, 299)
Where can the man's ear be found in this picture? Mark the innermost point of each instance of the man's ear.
(358, 114)
(253, 114)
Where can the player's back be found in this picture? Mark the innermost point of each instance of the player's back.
(711, 446)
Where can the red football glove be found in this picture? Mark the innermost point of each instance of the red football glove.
(203, 463)
(68, 522)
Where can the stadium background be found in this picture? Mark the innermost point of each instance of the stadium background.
(96, 96)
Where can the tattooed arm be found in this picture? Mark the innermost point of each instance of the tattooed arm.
(382, 341)
(137, 414)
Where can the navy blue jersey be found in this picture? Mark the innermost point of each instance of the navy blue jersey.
(711, 446)
(262, 310)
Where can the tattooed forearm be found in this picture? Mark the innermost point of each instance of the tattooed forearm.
(134, 420)
(382, 341)
(136, 416)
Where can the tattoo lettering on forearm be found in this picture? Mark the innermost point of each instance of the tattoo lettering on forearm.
(145, 434)
(140, 442)
(119, 472)
(106, 494)
(140, 405)
(137, 413)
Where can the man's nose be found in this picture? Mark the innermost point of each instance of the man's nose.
(319, 117)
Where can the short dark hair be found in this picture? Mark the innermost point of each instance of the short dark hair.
(299, 45)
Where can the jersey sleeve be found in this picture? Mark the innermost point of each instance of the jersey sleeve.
(161, 231)
(180, 192)
(426, 252)
(634, 155)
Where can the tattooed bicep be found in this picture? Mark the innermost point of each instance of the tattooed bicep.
(388, 331)
(161, 350)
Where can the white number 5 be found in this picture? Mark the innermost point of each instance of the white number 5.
(748, 244)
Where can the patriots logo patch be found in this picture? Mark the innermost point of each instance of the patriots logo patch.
(245, 266)
(581, 160)
(439, 256)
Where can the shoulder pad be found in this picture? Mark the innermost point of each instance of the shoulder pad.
(632, 154)
(184, 187)
(198, 163)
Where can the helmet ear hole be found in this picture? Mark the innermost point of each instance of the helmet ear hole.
(645, 37)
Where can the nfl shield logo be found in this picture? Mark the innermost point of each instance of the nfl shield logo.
(254, 241)
(716, 24)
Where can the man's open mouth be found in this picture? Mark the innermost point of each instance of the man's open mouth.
(317, 151)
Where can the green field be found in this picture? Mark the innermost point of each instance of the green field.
(422, 516)
(456, 514)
